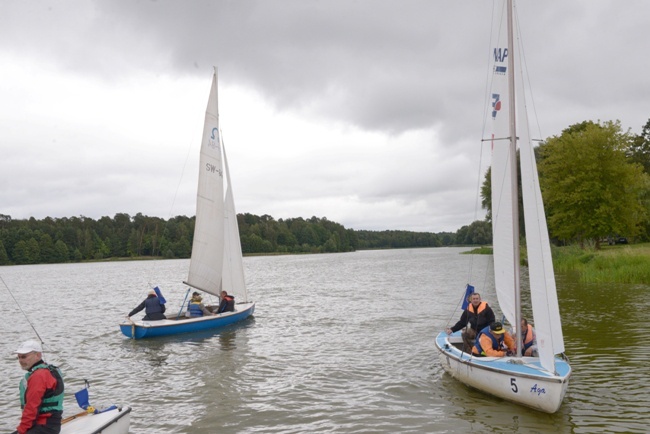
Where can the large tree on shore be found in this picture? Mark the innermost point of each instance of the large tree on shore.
(590, 189)
(639, 149)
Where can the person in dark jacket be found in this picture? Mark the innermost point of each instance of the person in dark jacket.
(41, 392)
(227, 303)
(478, 315)
(153, 308)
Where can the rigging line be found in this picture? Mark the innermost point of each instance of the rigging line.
(22, 311)
(171, 208)
(486, 95)
(489, 76)
(524, 72)
(187, 157)
(64, 359)
(453, 312)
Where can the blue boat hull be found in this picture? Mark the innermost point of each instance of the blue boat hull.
(168, 327)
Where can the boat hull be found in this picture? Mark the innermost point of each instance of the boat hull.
(174, 326)
(519, 380)
(114, 421)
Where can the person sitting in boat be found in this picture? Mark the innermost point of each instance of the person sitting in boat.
(154, 310)
(529, 340)
(41, 392)
(227, 303)
(478, 314)
(195, 307)
(494, 341)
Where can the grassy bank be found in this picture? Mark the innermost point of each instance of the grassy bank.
(611, 264)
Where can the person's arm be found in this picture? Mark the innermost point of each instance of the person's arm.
(462, 322)
(137, 309)
(486, 344)
(489, 315)
(205, 310)
(222, 306)
(509, 341)
(37, 384)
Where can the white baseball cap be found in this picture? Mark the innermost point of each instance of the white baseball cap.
(29, 347)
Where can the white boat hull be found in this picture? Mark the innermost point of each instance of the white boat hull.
(519, 380)
(115, 421)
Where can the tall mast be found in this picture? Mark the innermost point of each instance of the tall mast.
(513, 165)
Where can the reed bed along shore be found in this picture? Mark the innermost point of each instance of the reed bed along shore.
(611, 264)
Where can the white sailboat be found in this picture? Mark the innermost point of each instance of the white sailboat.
(216, 263)
(537, 382)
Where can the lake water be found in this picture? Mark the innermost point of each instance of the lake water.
(339, 343)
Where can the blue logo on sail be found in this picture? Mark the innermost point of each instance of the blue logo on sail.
(500, 70)
(213, 141)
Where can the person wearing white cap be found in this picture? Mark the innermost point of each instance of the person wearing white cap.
(41, 392)
(153, 308)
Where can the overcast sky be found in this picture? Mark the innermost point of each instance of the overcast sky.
(367, 112)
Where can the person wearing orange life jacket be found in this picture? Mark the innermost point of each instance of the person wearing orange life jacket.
(529, 339)
(478, 314)
(491, 340)
(227, 303)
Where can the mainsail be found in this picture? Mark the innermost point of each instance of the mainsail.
(505, 271)
(546, 316)
(207, 248)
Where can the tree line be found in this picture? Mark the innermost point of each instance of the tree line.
(595, 182)
(74, 239)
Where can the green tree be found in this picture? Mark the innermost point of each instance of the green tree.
(46, 247)
(20, 253)
(639, 149)
(479, 232)
(4, 257)
(589, 187)
(61, 251)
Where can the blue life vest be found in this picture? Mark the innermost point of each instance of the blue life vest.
(496, 342)
(195, 308)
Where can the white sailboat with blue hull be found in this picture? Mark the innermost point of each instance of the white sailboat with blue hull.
(537, 382)
(216, 263)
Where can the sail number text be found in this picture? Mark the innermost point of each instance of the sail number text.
(535, 389)
(212, 168)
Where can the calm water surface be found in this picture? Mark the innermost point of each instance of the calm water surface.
(339, 343)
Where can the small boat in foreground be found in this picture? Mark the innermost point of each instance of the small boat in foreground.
(115, 420)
